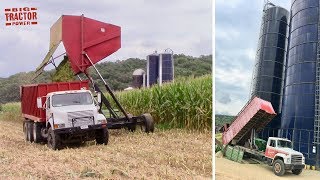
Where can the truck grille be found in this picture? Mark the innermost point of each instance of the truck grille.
(81, 118)
(296, 159)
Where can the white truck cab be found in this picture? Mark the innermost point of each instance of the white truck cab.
(282, 157)
(73, 115)
(68, 109)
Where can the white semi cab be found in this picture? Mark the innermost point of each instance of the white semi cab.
(280, 155)
(62, 112)
(71, 116)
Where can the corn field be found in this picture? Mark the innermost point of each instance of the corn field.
(10, 112)
(186, 103)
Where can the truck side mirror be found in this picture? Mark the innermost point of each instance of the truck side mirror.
(39, 102)
(99, 97)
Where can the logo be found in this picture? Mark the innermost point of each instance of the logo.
(21, 16)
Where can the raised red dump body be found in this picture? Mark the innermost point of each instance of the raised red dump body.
(256, 114)
(30, 93)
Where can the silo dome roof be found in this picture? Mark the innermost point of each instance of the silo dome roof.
(138, 72)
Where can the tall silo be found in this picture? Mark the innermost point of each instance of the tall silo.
(139, 78)
(268, 76)
(152, 69)
(166, 66)
(301, 109)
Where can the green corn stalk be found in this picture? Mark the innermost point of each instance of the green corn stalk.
(185, 103)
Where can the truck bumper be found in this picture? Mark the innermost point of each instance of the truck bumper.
(294, 166)
(78, 130)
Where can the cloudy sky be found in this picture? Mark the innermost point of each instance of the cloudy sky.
(147, 25)
(237, 29)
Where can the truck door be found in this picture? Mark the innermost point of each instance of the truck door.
(48, 113)
(271, 149)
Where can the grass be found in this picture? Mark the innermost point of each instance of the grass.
(186, 103)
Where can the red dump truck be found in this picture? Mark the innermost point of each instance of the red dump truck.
(62, 112)
(240, 137)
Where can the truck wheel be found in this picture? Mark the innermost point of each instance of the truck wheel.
(148, 123)
(54, 141)
(37, 132)
(296, 171)
(30, 130)
(102, 136)
(25, 131)
(278, 167)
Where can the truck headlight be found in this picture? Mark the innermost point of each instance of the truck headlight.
(288, 160)
(102, 121)
(57, 126)
(303, 159)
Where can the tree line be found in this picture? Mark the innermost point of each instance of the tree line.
(117, 74)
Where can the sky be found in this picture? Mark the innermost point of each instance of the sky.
(237, 26)
(146, 25)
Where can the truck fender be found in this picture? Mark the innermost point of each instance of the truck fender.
(101, 117)
(49, 123)
(279, 156)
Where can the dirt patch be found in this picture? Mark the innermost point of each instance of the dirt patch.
(162, 155)
(229, 170)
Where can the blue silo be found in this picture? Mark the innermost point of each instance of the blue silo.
(152, 69)
(268, 76)
(300, 120)
(166, 66)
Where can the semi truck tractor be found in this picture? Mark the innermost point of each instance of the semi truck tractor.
(241, 137)
(62, 112)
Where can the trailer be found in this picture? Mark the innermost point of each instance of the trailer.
(240, 139)
(88, 41)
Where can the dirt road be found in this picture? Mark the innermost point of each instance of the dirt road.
(229, 170)
(162, 155)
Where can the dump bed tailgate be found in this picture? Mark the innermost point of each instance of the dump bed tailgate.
(256, 114)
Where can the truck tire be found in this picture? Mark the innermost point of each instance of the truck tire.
(278, 167)
(102, 136)
(37, 138)
(148, 123)
(30, 131)
(25, 131)
(54, 141)
(296, 171)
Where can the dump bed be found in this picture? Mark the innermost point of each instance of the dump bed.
(256, 114)
(30, 93)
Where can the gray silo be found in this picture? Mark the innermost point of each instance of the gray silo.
(152, 69)
(139, 78)
(268, 76)
(166, 66)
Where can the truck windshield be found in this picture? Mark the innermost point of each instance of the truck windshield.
(71, 99)
(284, 144)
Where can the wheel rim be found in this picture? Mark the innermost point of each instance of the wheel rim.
(50, 141)
(26, 132)
(34, 134)
(143, 128)
(277, 168)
